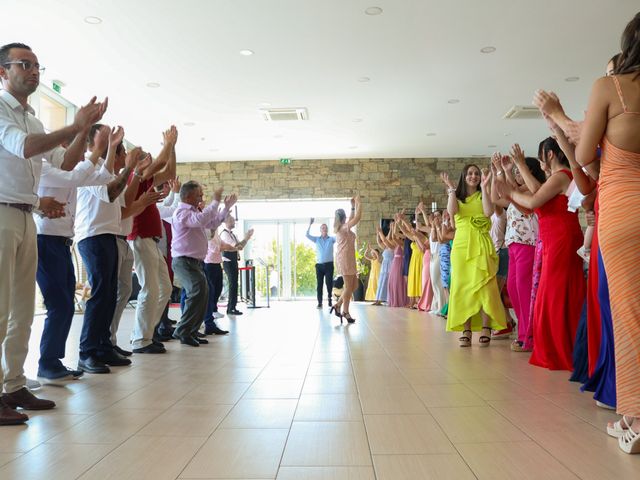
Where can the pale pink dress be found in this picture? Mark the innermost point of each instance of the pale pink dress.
(346, 251)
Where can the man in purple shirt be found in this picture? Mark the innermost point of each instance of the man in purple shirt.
(189, 248)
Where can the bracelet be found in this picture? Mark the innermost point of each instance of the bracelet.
(451, 190)
(499, 173)
(136, 174)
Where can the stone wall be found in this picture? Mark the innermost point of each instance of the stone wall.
(385, 185)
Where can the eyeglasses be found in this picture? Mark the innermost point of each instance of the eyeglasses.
(26, 65)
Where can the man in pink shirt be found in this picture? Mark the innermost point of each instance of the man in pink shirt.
(189, 249)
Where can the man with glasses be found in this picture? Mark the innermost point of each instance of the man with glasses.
(23, 145)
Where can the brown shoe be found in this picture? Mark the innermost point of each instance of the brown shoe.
(23, 398)
(9, 416)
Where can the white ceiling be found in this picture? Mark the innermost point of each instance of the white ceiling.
(311, 53)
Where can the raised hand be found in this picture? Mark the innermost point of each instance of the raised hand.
(444, 176)
(90, 113)
(116, 135)
(170, 136)
(486, 177)
(217, 194)
(102, 139)
(230, 200)
(495, 159)
(133, 157)
(311, 220)
(51, 208)
(150, 197)
(175, 185)
(573, 131)
(249, 234)
(517, 154)
(547, 102)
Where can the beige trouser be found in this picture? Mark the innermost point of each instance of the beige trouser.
(155, 289)
(125, 285)
(18, 263)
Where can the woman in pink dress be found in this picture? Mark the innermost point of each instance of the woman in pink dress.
(346, 256)
(397, 285)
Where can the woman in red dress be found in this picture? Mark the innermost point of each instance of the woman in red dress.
(561, 291)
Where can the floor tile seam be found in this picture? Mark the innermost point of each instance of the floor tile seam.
(295, 411)
(221, 420)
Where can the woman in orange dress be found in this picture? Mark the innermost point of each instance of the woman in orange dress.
(346, 256)
(613, 121)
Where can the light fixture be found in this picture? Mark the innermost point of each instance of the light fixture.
(278, 136)
(202, 139)
(492, 146)
(189, 124)
(246, 52)
(488, 49)
(357, 120)
(264, 104)
(364, 79)
(431, 134)
(153, 85)
(572, 79)
(373, 11)
(352, 147)
(214, 149)
(93, 20)
(453, 101)
(507, 134)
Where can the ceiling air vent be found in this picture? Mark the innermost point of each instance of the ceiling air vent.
(284, 114)
(522, 112)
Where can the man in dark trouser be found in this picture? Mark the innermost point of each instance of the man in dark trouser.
(324, 257)
(230, 262)
(189, 248)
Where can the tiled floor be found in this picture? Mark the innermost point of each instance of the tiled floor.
(292, 395)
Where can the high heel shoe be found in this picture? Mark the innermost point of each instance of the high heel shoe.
(349, 318)
(336, 312)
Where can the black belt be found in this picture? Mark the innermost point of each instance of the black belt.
(66, 240)
(122, 237)
(25, 207)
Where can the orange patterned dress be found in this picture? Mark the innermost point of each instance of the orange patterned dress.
(619, 230)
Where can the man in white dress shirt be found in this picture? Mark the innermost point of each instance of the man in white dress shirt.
(23, 145)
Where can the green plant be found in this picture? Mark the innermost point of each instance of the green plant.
(362, 264)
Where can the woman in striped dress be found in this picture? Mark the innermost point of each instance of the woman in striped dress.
(613, 121)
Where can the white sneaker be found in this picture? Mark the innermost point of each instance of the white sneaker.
(217, 315)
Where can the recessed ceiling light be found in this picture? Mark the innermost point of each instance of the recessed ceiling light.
(189, 124)
(431, 134)
(507, 134)
(214, 149)
(488, 49)
(153, 85)
(353, 147)
(93, 20)
(364, 79)
(264, 104)
(373, 11)
(202, 139)
(357, 120)
(278, 136)
(572, 79)
(492, 146)
(453, 100)
(246, 53)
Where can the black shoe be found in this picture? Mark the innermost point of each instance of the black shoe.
(92, 365)
(173, 322)
(151, 348)
(234, 312)
(349, 318)
(58, 375)
(158, 343)
(201, 341)
(114, 359)
(122, 351)
(199, 335)
(330, 304)
(319, 305)
(214, 330)
(187, 340)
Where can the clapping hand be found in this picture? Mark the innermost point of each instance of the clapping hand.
(133, 157)
(170, 136)
(249, 234)
(151, 196)
(444, 176)
(230, 201)
(547, 102)
(116, 136)
(51, 208)
(89, 114)
(486, 177)
(175, 185)
(517, 154)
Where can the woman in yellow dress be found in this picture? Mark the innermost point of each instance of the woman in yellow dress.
(373, 256)
(418, 241)
(474, 302)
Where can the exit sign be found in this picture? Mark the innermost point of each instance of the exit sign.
(285, 161)
(57, 87)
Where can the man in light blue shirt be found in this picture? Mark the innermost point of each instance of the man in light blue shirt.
(324, 260)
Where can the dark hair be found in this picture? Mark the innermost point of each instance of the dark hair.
(629, 61)
(187, 188)
(461, 189)
(615, 60)
(550, 144)
(4, 51)
(533, 164)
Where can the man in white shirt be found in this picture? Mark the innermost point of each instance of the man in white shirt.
(230, 259)
(55, 275)
(23, 145)
(98, 222)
